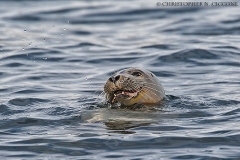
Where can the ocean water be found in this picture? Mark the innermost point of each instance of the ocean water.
(55, 57)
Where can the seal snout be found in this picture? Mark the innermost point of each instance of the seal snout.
(114, 78)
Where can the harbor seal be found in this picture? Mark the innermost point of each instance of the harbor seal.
(133, 86)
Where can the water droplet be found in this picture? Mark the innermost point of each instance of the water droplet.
(25, 30)
(68, 21)
(23, 49)
(64, 29)
(0, 48)
(118, 104)
(109, 105)
(86, 79)
(34, 61)
(62, 34)
(44, 39)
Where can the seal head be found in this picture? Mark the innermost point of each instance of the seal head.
(133, 86)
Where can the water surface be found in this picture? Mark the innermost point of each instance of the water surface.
(56, 56)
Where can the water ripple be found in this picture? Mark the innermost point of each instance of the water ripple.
(56, 57)
(26, 101)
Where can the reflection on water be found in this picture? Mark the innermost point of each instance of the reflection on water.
(117, 119)
(55, 57)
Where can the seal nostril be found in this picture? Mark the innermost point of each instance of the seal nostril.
(111, 79)
(117, 77)
(114, 79)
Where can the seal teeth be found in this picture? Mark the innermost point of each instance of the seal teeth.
(113, 99)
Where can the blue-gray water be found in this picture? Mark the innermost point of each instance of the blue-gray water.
(55, 57)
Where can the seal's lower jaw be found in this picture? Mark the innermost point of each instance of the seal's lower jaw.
(122, 96)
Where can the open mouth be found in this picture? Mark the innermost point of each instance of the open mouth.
(124, 94)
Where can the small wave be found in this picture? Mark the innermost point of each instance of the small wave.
(81, 32)
(26, 17)
(14, 64)
(188, 55)
(158, 46)
(3, 108)
(26, 101)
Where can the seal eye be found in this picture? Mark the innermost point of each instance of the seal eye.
(137, 74)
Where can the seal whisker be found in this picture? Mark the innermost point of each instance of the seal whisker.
(152, 89)
(151, 79)
(154, 96)
(146, 95)
(133, 87)
(147, 89)
(152, 82)
(99, 96)
(147, 83)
